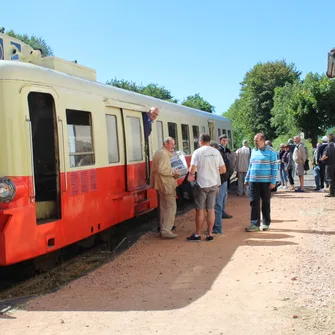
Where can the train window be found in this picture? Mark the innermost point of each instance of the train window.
(224, 131)
(173, 132)
(219, 132)
(112, 140)
(160, 136)
(186, 138)
(134, 144)
(229, 138)
(203, 129)
(79, 128)
(195, 130)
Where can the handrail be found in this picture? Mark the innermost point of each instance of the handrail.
(63, 142)
(31, 157)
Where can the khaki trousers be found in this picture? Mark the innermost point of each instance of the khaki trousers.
(167, 211)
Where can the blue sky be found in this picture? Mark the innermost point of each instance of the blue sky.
(187, 46)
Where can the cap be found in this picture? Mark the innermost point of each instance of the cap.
(324, 139)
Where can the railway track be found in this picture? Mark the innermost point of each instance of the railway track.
(15, 290)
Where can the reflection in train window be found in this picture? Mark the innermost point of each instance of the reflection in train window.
(79, 129)
(134, 142)
(186, 138)
(203, 129)
(160, 136)
(172, 127)
(112, 140)
(195, 130)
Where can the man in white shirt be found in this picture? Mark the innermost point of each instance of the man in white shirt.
(209, 164)
(242, 165)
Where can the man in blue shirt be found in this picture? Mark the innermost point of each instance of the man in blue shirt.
(261, 178)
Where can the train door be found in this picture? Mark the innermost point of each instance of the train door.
(136, 164)
(45, 156)
(211, 129)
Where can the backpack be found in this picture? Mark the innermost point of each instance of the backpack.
(228, 161)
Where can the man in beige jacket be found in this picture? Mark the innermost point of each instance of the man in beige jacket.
(163, 179)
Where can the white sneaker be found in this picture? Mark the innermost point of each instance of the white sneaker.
(321, 190)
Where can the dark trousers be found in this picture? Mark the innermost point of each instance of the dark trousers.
(290, 176)
(330, 169)
(260, 191)
(322, 174)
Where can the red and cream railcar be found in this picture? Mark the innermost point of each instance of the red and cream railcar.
(73, 160)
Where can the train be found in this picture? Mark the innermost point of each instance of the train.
(74, 158)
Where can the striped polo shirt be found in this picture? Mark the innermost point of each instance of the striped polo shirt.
(263, 166)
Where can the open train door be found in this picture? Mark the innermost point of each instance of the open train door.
(135, 150)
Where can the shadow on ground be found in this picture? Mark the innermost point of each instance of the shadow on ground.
(160, 274)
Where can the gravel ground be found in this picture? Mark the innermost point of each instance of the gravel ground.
(275, 282)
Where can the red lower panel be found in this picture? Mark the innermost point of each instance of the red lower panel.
(91, 201)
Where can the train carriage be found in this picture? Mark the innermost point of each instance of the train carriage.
(74, 158)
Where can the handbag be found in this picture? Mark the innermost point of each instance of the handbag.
(188, 190)
(306, 165)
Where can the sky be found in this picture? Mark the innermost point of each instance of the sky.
(187, 46)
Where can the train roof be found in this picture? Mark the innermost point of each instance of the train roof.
(14, 70)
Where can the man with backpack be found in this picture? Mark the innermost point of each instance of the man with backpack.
(217, 229)
(229, 162)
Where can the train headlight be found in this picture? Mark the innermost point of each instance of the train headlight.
(7, 190)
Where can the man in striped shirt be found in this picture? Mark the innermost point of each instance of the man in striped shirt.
(261, 178)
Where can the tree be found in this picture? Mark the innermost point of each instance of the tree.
(283, 115)
(152, 90)
(306, 106)
(34, 41)
(197, 102)
(240, 127)
(257, 91)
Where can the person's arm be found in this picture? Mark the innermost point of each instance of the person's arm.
(194, 163)
(247, 177)
(274, 168)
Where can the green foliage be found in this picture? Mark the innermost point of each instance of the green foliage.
(306, 106)
(197, 102)
(152, 90)
(34, 41)
(251, 113)
(240, 128)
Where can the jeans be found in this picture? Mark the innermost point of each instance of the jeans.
(283, 173)
(260, 191)
(225, 197)
(290, 176)
(323, 178)
(316, 174)
(218, 208)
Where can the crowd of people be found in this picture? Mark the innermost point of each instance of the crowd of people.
(213, 164)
